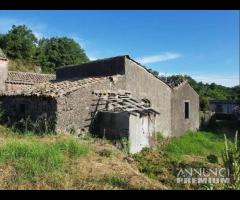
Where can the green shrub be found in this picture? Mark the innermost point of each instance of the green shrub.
(116, 181)
(212, 158)
(149, 162)
(105, 153)
(159, 136)
(231, 159)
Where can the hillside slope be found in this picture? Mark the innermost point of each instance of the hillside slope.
(64, 162)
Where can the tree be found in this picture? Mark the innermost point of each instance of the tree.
(204, 103)
(55, 52)
(19, 43)
(154, 72)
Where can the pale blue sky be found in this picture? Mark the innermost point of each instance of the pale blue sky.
(202, 44)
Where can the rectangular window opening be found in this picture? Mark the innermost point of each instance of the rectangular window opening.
(186, 110)
(22, 108)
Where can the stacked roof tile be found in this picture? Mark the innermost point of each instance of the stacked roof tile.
(57, 88)
(29, 78)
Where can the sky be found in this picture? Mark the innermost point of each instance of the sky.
(202, 44)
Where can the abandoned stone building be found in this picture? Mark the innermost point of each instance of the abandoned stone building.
(114, 97)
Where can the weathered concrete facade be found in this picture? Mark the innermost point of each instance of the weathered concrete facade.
(182, 94)
(145, 85)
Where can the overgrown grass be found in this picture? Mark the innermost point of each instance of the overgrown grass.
(191, 150)
(195, 144)
(31, 158)
(116, 181)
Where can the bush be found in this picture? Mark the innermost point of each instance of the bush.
(212, 158)
(231, 159)
(116, 181)
(149, 162)
(105, 153)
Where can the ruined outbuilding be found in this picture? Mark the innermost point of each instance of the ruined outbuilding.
(115, 97)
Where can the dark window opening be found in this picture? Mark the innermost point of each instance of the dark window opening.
(22, 108)
(186, 110)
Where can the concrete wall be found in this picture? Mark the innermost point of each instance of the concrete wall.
(77, 109)
(179, 124)
(141, 132)
(34, 107)
(3, 73)
(143, 84)
(138, 129)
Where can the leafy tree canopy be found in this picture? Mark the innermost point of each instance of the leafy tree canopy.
(206, 91)
(19, 43)
(55, 52)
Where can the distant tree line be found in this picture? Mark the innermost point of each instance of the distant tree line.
(206, 91)
(21, 44)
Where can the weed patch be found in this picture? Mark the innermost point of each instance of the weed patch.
(32, 159)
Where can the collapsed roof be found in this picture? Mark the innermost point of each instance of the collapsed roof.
(122, 101)
(55, 88)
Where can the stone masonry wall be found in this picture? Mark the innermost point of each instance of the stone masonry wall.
(18, 107)
(75, 111)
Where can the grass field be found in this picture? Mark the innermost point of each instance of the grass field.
(195, 144)
(29, 161)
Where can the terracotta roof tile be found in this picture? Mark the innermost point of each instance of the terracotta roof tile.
(29, 78)
(56, 88)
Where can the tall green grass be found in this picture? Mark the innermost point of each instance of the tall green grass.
(195, 144)
(32, 158)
